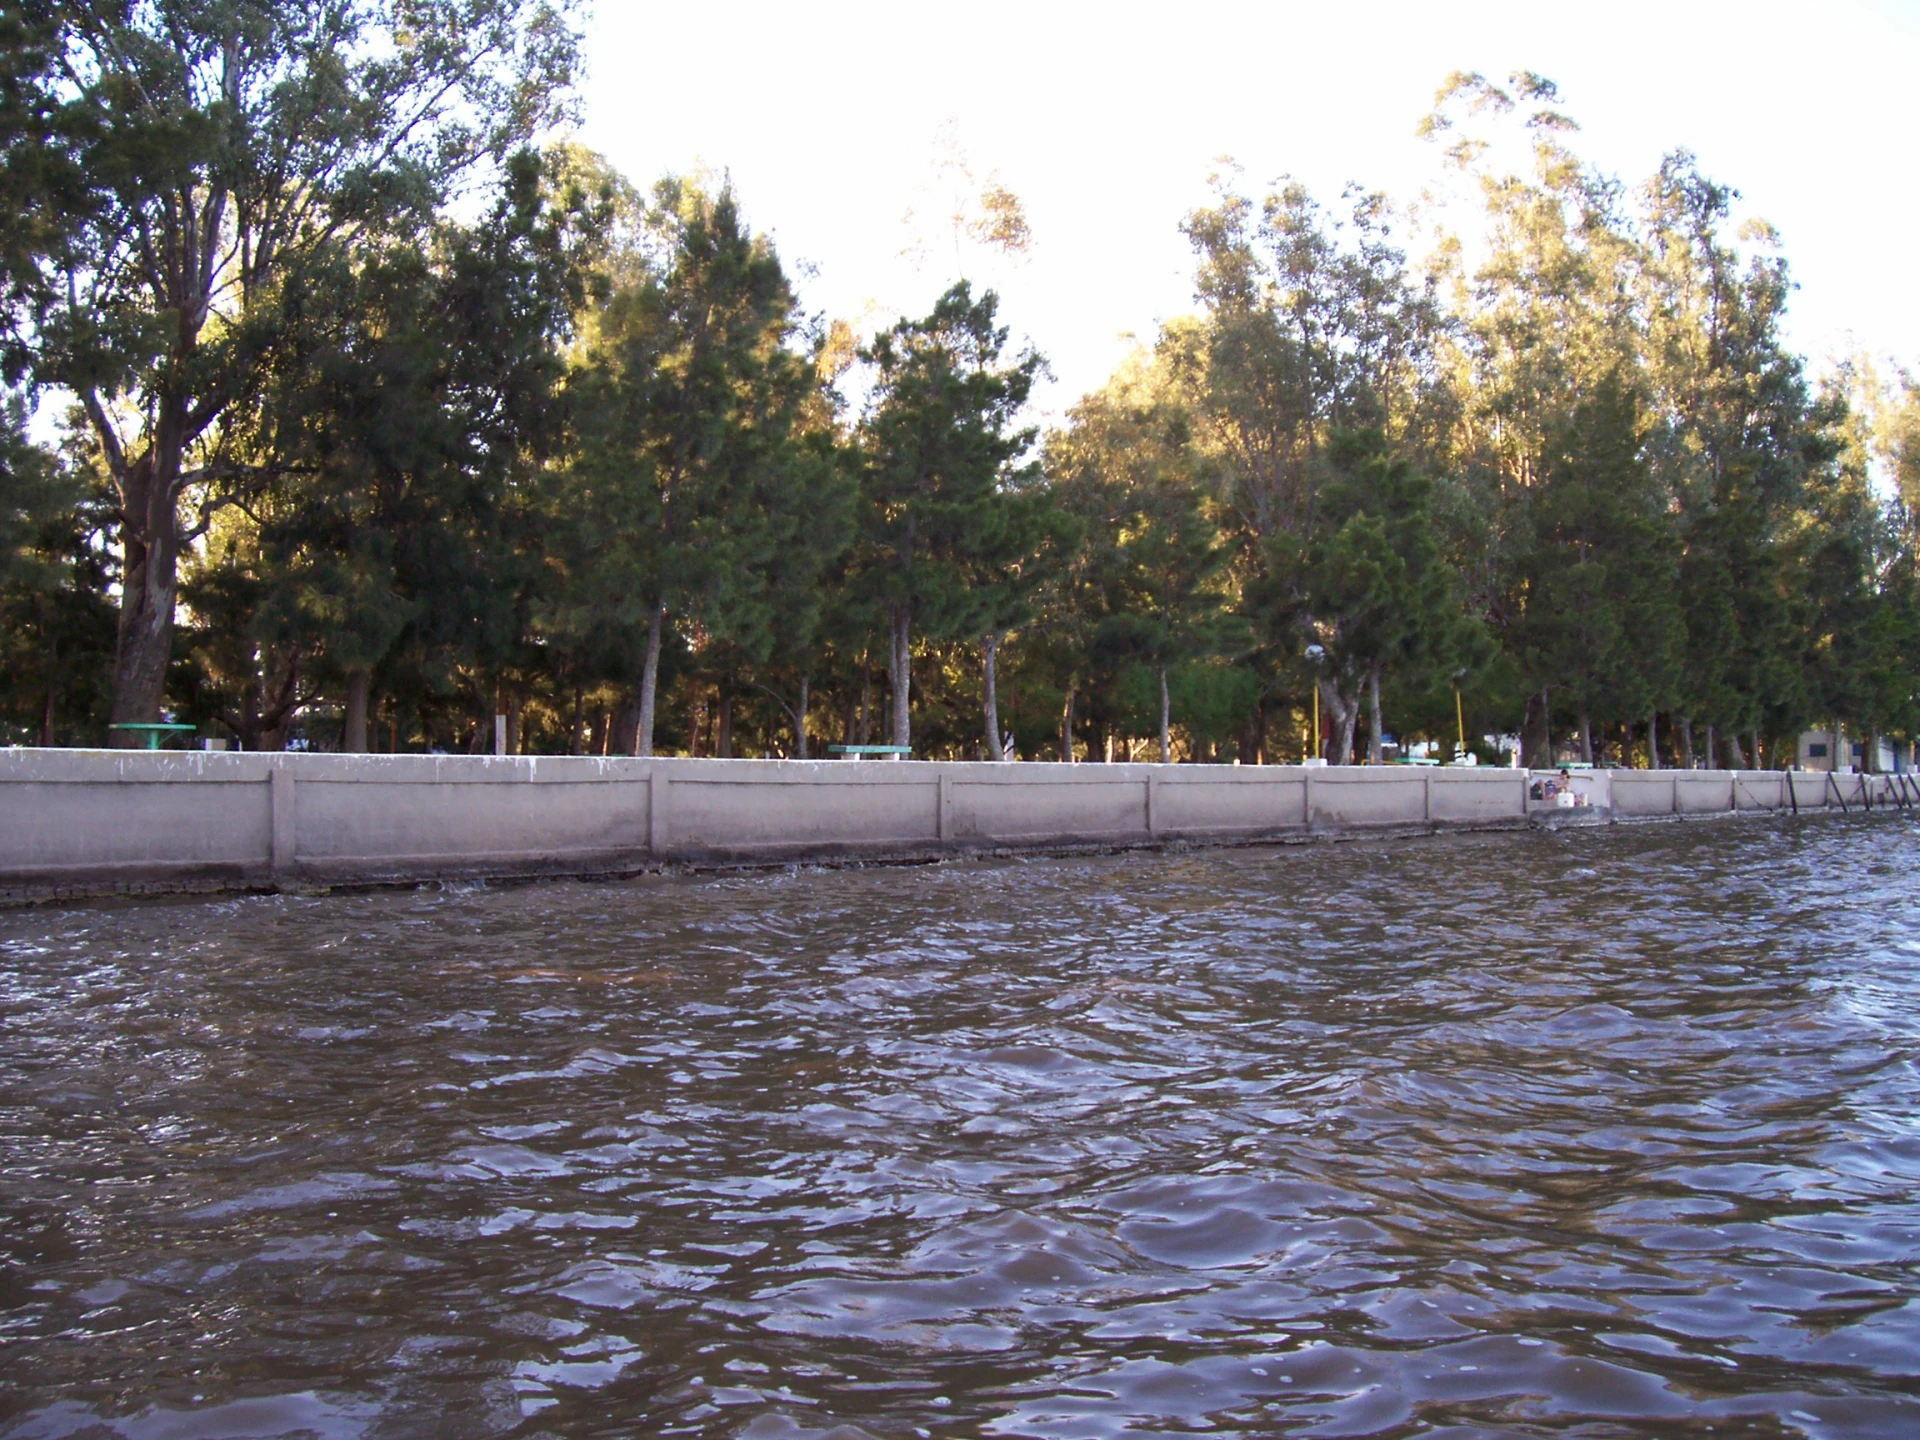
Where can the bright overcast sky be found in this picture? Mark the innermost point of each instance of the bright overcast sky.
(1107, 120)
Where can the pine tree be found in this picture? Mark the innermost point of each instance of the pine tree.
(942, 477)
(689, 399)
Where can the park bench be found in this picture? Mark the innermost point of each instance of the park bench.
(154, 733)
(857, 752)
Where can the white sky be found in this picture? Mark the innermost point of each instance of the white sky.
(1107, 120)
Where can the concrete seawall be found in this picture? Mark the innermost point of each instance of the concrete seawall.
(94, 822)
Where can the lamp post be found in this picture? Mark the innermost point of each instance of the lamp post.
(1315, 654)
(1459, 716)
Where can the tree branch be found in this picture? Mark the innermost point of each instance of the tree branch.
(109, 437)
(786, 709)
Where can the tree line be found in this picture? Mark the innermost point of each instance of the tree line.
(386, 415)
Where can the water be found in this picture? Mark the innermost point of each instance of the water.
(1598, 1134)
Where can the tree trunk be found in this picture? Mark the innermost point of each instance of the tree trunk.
(514, 710)
(482, 742)
(723, 723)
(1713, 752)
(1536, 732)
(51, 694)
(696, 719)
(1376, 754)
(649, 683)
(899, 671)
(1066, 725)
(1686, 743)
(624, 729)
(1345, 715)
(1653, 739)
(1756, 749)
(150, 548)
(1586, 734)
(577, 726)
(1166, 714)
(353, 734)
(1735, 760)
(866, 701)
(989, 693)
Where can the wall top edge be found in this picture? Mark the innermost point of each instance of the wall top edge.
(28, 764)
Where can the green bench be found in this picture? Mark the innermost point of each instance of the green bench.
(855, 752)
(154, 732)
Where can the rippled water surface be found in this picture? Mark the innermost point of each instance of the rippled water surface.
(1598, 1134)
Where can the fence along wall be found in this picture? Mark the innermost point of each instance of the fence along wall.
(84, 822)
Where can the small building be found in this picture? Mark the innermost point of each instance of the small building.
(1837, 751)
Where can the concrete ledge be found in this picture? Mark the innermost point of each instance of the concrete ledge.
(94, 822)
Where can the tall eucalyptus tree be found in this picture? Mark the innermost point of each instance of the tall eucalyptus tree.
(230, 150)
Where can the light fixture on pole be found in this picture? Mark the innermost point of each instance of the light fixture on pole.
(1315, 654)
(1459, 717)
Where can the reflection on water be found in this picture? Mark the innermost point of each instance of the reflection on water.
(1604, 1133)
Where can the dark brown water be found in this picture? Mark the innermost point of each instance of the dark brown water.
(1600, 1134)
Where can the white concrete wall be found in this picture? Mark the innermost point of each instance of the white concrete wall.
(98, 821)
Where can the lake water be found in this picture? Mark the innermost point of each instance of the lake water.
(1604, 1133)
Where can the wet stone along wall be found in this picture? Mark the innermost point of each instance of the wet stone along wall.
(76, 822)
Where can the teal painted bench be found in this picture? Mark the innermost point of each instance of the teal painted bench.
(153, 733)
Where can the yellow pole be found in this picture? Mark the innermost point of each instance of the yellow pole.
(1460, 721)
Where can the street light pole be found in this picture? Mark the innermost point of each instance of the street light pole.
(1314, 655)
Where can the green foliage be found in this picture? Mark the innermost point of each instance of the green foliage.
(1208, 700)
(949, 517)
(942, 493)
(207, 165)
(397, 545)
(583, 461)
(1594, 614)
(702, 485)
(56, 625)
